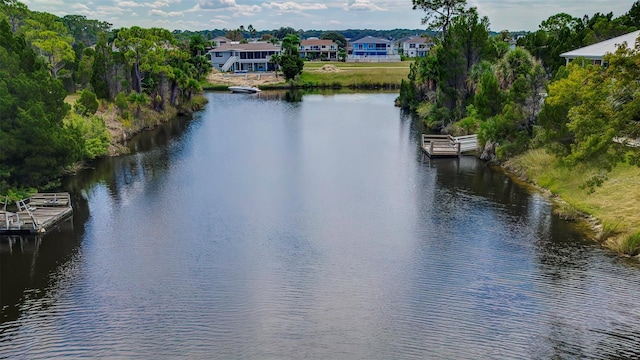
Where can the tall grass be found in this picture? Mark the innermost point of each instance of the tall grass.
(614, 203)
(628, 245)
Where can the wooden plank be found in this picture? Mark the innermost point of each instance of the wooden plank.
(37, 214)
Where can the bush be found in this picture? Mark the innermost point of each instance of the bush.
(121, 101)
(87, 103)
(92, 132)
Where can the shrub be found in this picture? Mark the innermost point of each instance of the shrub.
(87, 103)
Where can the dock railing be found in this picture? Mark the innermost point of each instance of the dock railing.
(447, 145)
(467, 142)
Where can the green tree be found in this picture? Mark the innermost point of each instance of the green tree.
(275, 59)
(35, 147)
(440, 13)
(14, 11)
(290, 60)
(337, 38)
(592, 111)
(87, 103)
(291, 66)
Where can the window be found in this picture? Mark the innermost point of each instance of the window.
(412, 46)
(218, 54)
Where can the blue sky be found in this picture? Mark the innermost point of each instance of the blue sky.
(310, 14)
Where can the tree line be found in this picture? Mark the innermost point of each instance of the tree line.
(526, 97)
(134, 75)
(250, 32)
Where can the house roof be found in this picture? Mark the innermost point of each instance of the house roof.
(417, 40)
(371, 39)
(222, 38)
(598, 50)
(313, 42)
(257, 46)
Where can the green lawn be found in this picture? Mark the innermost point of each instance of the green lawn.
(355, 74)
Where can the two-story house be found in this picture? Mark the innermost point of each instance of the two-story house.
(314, 49)
(244, 57)
(370, 48)
(416, 46)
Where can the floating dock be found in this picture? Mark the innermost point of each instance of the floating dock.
(36, 214)
(447, 145)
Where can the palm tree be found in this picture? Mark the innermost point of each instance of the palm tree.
(290, 44)
(275, 59)
(252, 30)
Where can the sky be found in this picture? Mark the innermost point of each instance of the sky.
(194, 15)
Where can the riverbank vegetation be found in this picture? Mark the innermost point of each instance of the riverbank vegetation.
(614, 202)
(570, 128)
(120, 81)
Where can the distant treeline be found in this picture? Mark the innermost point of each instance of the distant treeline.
(350, 34)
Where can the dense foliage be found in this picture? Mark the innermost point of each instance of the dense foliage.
(472, 82)
(43, 57)
(562, 32)
(34, 142)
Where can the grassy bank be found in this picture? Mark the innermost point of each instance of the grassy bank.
(355, 75)
(614, 204)
(315, 75)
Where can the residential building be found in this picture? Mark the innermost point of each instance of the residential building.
(219, 40)
(370, 48)
(595, 53)
(416, 46)
(244, 57)
(314, 49)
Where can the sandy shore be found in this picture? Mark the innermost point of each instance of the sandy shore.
(249, 79)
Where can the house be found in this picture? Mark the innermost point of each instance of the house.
(244, 57)
(219, 40)
(312, 49)
(416, 46)
(370, 48)
(595, 53)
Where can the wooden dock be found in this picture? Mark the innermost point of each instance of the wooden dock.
(36, 214)
(447, 145)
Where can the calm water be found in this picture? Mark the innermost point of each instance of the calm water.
(263, 229)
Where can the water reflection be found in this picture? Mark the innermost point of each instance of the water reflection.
(315, 229)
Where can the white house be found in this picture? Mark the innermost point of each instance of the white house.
(595, 53)
(416, 46)
(244, 57)
(318, 49)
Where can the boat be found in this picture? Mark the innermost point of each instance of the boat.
(244, 89)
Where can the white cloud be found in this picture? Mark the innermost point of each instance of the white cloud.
(161, 13)
(217, 4)
(128, 4)
(362, 5)
(109, 10)
(292, 6)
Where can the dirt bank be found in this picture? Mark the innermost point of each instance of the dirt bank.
(249, 79)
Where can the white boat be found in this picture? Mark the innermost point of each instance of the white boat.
(244, 89)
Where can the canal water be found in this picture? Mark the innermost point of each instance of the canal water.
(315, 229)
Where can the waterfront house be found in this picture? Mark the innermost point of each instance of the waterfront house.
(219, 40)
(416, 46)
(312, 49)
(371, 49)
(244, 57)
(595, 53)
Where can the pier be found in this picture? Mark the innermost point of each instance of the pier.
(36, 214)
(447, 145)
